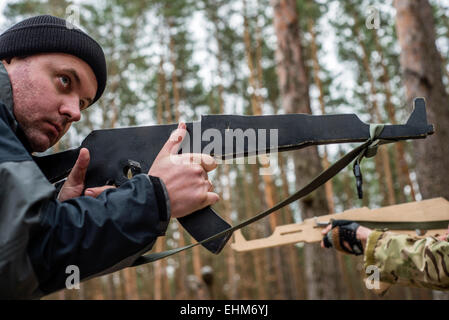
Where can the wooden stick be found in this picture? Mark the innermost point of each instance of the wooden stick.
(310, 229)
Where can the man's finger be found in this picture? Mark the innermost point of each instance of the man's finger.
(444, 237)
(327, 229)
(174, 142)
(212, 198)
(78, 173)
(95, 192)
(206, 161)
(210, 186)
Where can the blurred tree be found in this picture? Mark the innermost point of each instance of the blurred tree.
(255, 87)
(422, 73)
(353, 30)
(423, 78)
(322, 282)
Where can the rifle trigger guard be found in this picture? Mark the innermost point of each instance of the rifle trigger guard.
(131, 168)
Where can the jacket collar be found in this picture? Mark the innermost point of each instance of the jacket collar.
(6, 98)
(6, 89)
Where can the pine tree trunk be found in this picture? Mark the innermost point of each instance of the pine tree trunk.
(160, 90)
(270, 198)
(325, 162)
(244, 261)
(166, 280)
(174, 78)
(201, 292)
(296, 280)
(131, 284)
(159, 269)
(256, 255)
(229, 253)
(402, 168)
(322, 281)
(110, 287)
(147, 282)
(292, 253)
(421, 66)
(377, 118)
(444, 65)
(319, 85)
(181, 274)
(231, 264)
(258, 194)
(167, 114)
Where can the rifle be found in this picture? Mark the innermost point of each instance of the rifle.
(117, 154)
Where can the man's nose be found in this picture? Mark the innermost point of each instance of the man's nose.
(71, 109)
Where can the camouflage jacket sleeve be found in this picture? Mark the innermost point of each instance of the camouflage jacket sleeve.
(409, 261)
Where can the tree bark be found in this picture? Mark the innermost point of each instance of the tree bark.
(131, 284)
(296, 280)
(376, 118)
(321, 279)
(319, 85)
(157, 270)
(256, 104)
(421, 66)
(422, 76)
(256, 255)
(402, 167)
(231, 264)
(174, 77)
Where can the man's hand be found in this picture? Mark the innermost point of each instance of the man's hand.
(184, 176)
(362, 234)
(445, 237)
(74, 185)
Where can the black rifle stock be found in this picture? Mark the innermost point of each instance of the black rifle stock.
(115, 153)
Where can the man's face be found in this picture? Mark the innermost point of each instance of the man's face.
(49, 90)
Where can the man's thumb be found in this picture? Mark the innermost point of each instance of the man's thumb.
(78, 173)
(173, 143)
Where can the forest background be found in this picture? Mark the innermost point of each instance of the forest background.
(176, 60)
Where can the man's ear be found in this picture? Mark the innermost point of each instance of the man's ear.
(9, 60)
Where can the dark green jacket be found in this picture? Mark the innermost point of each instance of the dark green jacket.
(41, 237)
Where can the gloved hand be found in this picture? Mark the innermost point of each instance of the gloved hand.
(346, 236)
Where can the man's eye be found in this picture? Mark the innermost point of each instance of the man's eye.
(65, 81)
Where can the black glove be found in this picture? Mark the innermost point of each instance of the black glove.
(343, 231)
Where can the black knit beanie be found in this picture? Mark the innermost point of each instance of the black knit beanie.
(42, 34)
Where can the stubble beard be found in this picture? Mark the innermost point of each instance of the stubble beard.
(26, 97)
